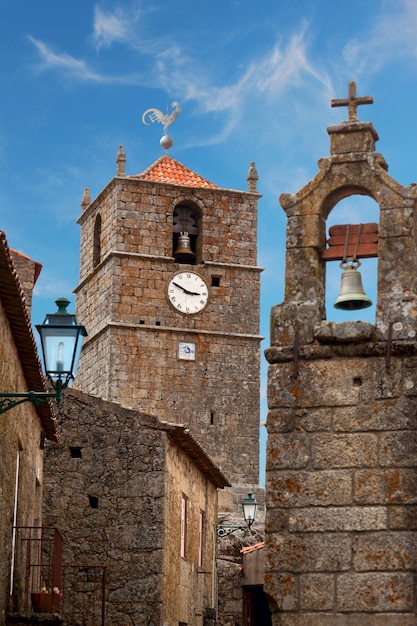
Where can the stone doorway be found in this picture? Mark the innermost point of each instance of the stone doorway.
(256, 610)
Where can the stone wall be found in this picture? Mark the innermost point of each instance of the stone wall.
(342, 437)
(113, 486)
(131, 354)
(20, 436)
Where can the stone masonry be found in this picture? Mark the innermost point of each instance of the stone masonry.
(131, 354)
(113, 486)
(342, 430)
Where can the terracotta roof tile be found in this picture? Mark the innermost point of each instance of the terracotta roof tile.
(168, 170)
(257, 546)
(13, 301)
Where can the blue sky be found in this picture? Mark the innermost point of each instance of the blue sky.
(254, 80)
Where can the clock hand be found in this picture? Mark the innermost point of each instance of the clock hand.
(190, 293)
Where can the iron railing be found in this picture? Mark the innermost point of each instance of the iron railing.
(43, 583)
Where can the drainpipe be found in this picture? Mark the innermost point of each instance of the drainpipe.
(16, 490)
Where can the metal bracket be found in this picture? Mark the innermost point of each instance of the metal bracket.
(10, 400)
(223, 531)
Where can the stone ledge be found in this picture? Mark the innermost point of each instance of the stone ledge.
(20, 619)
(343, 332)
(313, 352)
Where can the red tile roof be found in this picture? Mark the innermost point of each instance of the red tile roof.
(168, 170)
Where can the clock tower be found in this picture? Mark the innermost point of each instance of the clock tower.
(169, 292)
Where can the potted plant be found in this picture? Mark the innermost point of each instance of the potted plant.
(45, 602)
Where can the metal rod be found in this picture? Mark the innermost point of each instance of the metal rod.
(389, 346)
(296, 346)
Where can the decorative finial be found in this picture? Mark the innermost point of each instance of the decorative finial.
(121, 162)
(352, 102)
(252, 177)
(86, 201)
(156, 115)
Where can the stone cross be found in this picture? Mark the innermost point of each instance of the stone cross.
(352, 102)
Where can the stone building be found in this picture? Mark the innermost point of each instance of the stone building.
(169, 291)
(23, 427)
(341, 459)
(138, 496)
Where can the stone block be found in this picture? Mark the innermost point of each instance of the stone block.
(339, 519)
(344, 619)
(399, 449)
(317, 592)
(308, 553)
(344, 450)
(375, 592)
(289, 450)
(389, 486)
(284, 589)
(385, 551)
(306, 488)
(402, 517)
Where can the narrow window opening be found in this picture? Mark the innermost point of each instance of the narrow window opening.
(75, 452)
(186, 221)
(93, 502)
(97, 241)
(215, 281)
(141, 321)
(201, 542)
(212, 417)
(157, 323)
(184, 523)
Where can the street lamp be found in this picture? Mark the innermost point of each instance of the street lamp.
(61, 341)
(249, 507)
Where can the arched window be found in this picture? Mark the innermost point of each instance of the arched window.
(185, 233)
(97, 241)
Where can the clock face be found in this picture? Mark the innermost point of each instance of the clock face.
(188, 292)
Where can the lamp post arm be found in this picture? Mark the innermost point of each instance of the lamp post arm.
(224, 530)
(10, 400)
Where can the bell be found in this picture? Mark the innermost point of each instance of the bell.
(183, 251)
(352, 296)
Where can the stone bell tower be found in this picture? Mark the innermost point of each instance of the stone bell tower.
(342, 428)
(169, 292)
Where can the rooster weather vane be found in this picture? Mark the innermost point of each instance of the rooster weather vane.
(156, 115)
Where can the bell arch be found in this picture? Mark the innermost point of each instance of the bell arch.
(187, 231)
(352, 227)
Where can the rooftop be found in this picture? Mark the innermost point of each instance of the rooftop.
(168, 170)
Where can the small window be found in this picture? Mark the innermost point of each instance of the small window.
(93, 500)
(215, 281)
(185, 225)
(201, 542)
(184, 523)
(97, 241)
(75, 452)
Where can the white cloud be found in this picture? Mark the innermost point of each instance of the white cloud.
(393, 36)
(74, 68)
(111, 27)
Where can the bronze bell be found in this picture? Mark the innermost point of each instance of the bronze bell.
(352, 295)
(183, 252)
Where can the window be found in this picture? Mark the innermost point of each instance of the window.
(186, 222)
(184, 522)
(201, 540)
(97, 241)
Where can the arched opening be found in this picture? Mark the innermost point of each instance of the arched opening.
(97, 241)
(353, 210)
(186, 233)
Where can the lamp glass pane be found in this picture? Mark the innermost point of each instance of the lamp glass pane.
(59, 345)
(249, 506)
